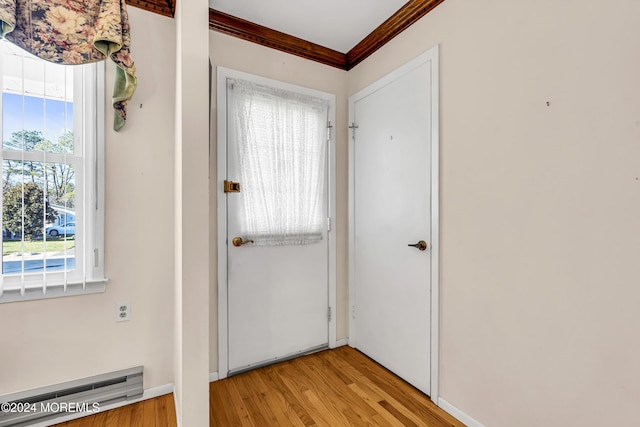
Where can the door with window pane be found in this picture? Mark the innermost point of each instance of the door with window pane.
(277, 272)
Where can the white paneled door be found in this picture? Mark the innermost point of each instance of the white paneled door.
(277, 265)
(391, 220)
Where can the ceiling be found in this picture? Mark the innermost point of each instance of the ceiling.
(336, 24)
(326, 31)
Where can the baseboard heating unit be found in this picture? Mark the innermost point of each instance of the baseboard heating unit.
(86, 395)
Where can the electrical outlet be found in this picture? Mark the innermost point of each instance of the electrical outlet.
(123, 312)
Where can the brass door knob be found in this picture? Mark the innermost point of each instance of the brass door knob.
(237, 241)
(422, 245)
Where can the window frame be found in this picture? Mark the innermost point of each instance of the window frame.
(88, 158)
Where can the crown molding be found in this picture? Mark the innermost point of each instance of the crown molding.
(412, 11)
(406, 16)
(162, 7)
(228, 24)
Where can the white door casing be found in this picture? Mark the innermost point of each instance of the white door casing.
(393, 202)
(273, 302)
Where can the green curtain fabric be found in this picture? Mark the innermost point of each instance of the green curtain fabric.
(75, 32)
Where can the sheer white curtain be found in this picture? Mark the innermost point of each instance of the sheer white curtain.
(281, 142)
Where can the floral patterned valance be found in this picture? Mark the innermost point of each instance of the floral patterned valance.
(75, 32)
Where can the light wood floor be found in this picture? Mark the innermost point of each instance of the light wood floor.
(332, 388)
(340, 387)
(158, 412)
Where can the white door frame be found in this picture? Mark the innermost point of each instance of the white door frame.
(430, 57)
(221, 103)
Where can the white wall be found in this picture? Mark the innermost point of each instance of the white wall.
(192, 214)
(251, 58)
(540, 206)
(51, 341)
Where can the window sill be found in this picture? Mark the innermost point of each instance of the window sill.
(54, 291)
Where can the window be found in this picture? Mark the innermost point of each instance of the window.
(52, 185)
(281, 149)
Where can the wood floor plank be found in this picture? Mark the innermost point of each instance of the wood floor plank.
(298, 385)
(406, 395)
(335, 364)
(241, 407)
(261, 414)
(334, 418)
(113, 418)
(211, 415)
(171, 410)
(397, 414)
(149, 413)
(381, 411)
(340, 387)
(333, 388)
(125, 415)
(273, 379)
(274, 403)
(99, 419)
(137, 414)
(165, 412)
(288, 413)
(159, 411)
(422, 420)
(308, 399)
(222, 406)
(363, 382)
(355, 419)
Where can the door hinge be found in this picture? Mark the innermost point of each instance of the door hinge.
(329, 224)
(353, 311)
(96, 258)
(329, 314)
(353, 128)
(231, 187)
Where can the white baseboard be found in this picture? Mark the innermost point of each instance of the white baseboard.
(342, 342)
(146, 394)
(458, 414)
(213, 376)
